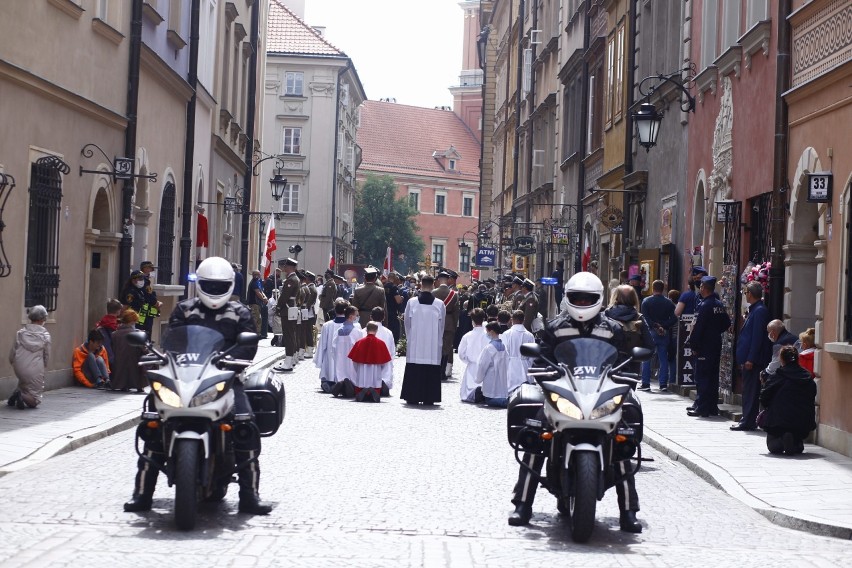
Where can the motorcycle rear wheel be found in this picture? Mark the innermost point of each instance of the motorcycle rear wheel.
(584, 495)
(186, 483)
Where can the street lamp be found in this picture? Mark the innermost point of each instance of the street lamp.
(648, 118)
(279, 184)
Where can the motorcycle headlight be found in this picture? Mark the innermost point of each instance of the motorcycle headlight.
(566, 407)
(167, 395)
(209, 395)
(607, 408)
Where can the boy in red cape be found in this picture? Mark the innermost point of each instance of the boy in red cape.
(370, 355)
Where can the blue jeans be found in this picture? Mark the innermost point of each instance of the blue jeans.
(94, 369)
(661, 342)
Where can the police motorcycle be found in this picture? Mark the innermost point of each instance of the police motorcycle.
(589, 423)
(191, 413)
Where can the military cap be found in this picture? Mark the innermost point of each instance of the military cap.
(310, 275)
(137, 274)
(146, 264)
(288, 262)
(337, 277)
(452, 273)
(371, 270)
(443, 274)
(490, 281)
(709, 281)
(529, 284)
(329, 273)
(517, 281)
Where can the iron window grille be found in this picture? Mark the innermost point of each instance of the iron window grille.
(42, 272)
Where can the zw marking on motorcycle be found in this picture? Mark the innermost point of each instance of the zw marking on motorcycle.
(585, 370)
(187, 358)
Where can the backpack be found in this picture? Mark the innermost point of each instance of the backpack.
(632, 334)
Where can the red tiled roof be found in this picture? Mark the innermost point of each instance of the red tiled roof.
(397, 138)
(286, 33)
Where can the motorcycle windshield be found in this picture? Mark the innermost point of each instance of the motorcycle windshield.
(586, 359)
(192, 344)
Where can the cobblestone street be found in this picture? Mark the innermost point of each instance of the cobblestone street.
(379, 485)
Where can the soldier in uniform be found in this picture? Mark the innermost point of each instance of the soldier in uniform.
(451, 320)
(288, 310)
(517, 295)
(312, 315)
(368, 296)
(529, 304)
(329, 294)
(302, 321)
(711, 322)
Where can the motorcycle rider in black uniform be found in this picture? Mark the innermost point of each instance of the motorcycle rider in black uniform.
(580, 317)
(212, 309)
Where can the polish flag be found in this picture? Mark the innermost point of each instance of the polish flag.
(388, 265)
(266, 261)
(331, 261)
(587, 256)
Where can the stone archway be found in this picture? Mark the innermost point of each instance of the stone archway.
(801, 258)
(102, 240)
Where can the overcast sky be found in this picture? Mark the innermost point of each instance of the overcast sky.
(407, 49)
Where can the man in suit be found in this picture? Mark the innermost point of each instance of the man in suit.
(451, 320)
(754, 351)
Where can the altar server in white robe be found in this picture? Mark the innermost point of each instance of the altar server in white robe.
(471, 346)
(512, 339)
(344, 368)
(325, 358)
(492, 367)
(424, 330)
(386, 335)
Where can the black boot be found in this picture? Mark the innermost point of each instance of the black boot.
(14, 398)
(249, 478)
(628, 523)
(521, 515)
(143, 488)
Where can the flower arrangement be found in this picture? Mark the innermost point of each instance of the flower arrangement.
(757, 273)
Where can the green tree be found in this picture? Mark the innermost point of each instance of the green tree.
(382, 221)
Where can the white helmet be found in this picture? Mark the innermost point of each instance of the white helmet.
(583, 296)
(215, 282)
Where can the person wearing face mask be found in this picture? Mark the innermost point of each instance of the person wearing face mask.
(134, 296)
(147, 268)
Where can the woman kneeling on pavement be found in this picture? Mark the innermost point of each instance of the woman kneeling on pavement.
(29, 357)
(126, 372)
(789, 401)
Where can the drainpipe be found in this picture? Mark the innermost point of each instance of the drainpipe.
(531, 131)
(124, 247)
(628, 126)
(189, 148)
(584, 126)
(779, 181)
(518, 84)
(250, 120)
(334, 215)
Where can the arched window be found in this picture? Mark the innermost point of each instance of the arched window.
(165, 247)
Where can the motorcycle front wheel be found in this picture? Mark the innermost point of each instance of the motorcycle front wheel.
(583, 498)
(186, 483)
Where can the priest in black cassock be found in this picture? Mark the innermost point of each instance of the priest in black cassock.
(424, 329)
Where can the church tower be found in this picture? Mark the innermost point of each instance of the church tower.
(467, 95)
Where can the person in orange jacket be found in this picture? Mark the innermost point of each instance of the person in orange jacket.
(91, 362)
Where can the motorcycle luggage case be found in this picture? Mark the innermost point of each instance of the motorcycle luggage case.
(265, 391)
(524, 404)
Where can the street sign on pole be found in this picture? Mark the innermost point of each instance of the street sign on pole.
(486, 256)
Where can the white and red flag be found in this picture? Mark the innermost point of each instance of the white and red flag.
(387, 267)
(266, 261)
(331, 262)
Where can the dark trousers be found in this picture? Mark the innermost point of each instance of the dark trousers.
(751, 395)
(264, 321)
(707, 384)
(393, 326)
(527, 484)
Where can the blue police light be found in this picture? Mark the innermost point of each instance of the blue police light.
(192, 277)
(548, 281)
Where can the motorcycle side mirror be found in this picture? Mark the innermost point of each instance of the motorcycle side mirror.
(247, 338)
(641, 354)
(531, 350)
(137, 338)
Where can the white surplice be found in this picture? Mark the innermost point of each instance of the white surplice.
(386, 335)
(471, 346)
(325, 358)
(491, 372)
(424, 331)
(512, 339)
(344, 367)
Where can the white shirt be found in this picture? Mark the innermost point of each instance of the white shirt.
(344, 367)
(491, 372)
(386, 335)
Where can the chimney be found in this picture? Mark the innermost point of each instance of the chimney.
(320, 30)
